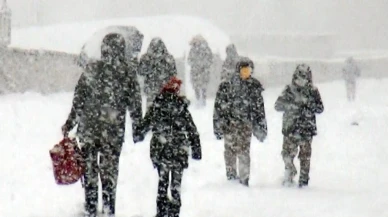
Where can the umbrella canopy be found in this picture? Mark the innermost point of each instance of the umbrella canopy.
(91, 50)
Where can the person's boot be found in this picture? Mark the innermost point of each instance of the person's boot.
(304, 173)
(174, 210)
(245, 182)
(162, 208)
(289, 175)
(231, 175)
(90, 213)
(108, 201)
(303, 183)
(106, 211)
(105, 205)
(91, 207)
(290, 172)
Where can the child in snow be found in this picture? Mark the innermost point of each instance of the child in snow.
(174, 133)
(299, 101)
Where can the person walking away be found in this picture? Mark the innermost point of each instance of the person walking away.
(157, 66)
(229, 65)
(103, 94)
(200, 59)
(174, 134)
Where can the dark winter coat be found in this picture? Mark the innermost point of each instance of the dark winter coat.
(174, 131)
(240, 101)
(229, 65)
(200, 60)
(300, 106)
(103, 94)
(157, 66)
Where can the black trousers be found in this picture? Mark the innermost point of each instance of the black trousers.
(166, 207)
(102, 163)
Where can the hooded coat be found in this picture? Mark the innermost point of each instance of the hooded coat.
(157, 66)
(173, 128)
(240, 101)
(300, 105)
(200, 60)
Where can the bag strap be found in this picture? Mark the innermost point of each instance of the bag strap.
(82, 181)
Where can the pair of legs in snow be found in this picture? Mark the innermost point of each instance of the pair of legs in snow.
(102, 164)
(200, 83)
(237, 147)
(164, 206)
(351, 90)
(200, 95)
(289, 152)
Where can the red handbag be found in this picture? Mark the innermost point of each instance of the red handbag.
(68, 164)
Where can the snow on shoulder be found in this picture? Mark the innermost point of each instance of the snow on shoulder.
(176, 31)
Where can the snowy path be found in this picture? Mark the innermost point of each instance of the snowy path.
(349, 175)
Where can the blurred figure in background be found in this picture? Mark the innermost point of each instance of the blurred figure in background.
(215, 76)
(350, 73)
(200, 60)
(157, 66)
(229, 65)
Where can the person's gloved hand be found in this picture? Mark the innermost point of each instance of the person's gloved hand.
(196, 154)
(155, 163)
(137, 137)
(259, 134)
(219, 136)
(65, 130)
(293, 106)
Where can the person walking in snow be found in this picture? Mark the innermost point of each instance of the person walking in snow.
(157, 66)
(200, 59)
(215, 67)
(103, 94)
(174, 133)
(229, 65)
(239, 112)
(300, 101)
(350, 73)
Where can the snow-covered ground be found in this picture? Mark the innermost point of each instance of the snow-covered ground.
(349, 175)
(176, 31)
